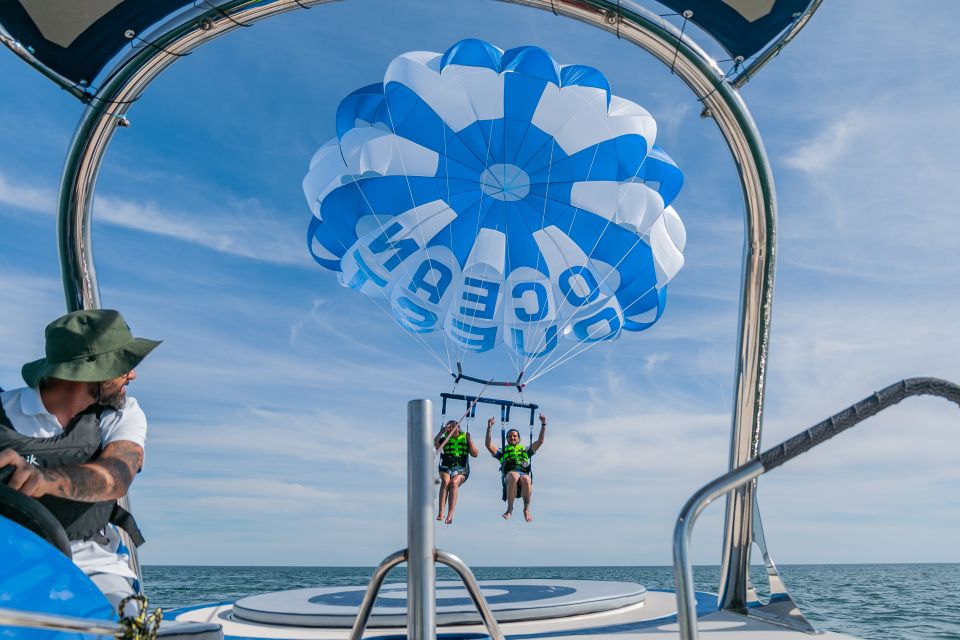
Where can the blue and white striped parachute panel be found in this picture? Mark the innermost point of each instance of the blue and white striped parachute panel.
(499, 197)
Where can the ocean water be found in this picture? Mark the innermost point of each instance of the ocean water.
(869, 601)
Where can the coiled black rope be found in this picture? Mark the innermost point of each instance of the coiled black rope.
(141, 626)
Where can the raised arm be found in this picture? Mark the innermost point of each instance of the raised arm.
(489, 439)
(543, 429)
(108, 477)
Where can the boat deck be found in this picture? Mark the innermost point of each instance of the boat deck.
(525, 609)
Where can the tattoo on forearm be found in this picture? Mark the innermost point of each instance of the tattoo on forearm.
(106, 478)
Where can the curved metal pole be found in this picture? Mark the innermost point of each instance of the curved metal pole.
(650, 32)
(473, 587)
(376, 581)
(771, 459)
(772, 50)
(682, 532)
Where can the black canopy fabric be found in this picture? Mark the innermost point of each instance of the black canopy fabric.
(76, 38)
(743, 27)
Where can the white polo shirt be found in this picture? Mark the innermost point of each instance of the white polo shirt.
(26, 412)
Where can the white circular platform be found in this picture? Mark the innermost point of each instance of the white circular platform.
(510, 600)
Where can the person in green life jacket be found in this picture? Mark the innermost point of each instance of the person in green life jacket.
(454, 465)
(515, 466)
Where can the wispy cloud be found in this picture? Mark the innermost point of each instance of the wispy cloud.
(821, 154)
(28, 197)
(245, 229)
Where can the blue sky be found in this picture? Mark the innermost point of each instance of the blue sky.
(277, 402)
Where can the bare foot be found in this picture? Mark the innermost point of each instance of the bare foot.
(440, 516)
(507, 514)
(449, 519)
(527, 516)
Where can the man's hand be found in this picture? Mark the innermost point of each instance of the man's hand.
(543, 420)
(490, 423)
(26, 478)
(107, 477)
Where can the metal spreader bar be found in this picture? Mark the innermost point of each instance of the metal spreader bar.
(460, 375)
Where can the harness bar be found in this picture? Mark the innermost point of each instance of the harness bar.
(505, 405)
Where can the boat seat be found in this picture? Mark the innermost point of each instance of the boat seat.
(173, 630)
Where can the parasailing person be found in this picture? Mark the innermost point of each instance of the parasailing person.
(455, 447)
(516, 473)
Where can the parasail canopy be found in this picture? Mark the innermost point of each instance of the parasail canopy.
(499, 198)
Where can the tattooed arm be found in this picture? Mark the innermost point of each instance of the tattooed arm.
(107, 477)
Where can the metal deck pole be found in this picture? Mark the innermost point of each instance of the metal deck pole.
(421, 572)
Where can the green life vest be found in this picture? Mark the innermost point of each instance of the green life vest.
(515, 458)
(455, 451)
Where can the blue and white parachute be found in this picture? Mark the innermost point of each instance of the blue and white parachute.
(501, 198)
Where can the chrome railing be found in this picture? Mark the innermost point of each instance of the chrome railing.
(421, 556)
(452, 561)
(770, 459)
(51, 622)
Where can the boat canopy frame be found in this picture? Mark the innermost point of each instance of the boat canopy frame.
(133, 73)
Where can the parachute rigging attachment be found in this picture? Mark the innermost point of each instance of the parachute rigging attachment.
(460, 375)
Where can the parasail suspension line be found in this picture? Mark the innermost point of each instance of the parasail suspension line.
(416, 337)
(548, 365)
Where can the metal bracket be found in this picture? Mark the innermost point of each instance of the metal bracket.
(452, 561)
(782, 609)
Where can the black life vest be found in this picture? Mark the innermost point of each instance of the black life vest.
(79, 443)
(455, 451)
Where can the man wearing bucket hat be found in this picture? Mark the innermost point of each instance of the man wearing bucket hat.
(75, 440)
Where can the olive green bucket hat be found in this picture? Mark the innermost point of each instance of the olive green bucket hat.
(88, 346)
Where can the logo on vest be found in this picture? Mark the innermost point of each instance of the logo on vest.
(32, 459)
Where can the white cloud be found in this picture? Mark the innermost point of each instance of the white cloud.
(245, 229)
(651, 361)
(821, 154)
(31, 198)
